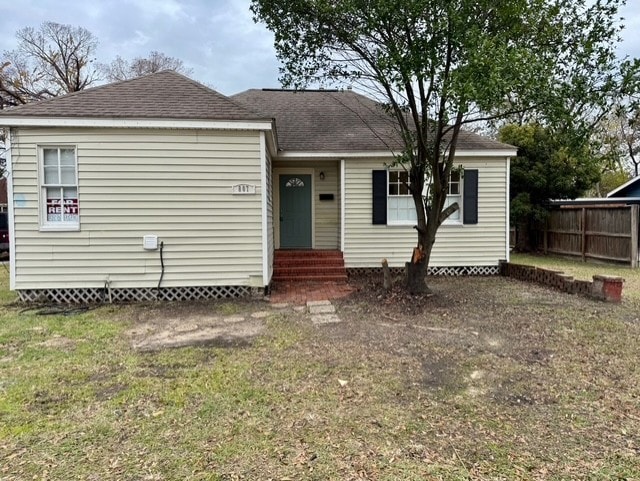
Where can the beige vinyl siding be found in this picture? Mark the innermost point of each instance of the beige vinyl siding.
(326, 212)
(175, 184)
(482, 244)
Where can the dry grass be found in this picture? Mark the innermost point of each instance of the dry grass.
(488, 379)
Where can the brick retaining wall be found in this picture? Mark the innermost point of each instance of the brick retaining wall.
(607, 288)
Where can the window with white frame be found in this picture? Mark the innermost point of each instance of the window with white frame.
(400, 206)
(454, 195)
(59, 187)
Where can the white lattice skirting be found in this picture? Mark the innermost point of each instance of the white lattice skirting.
(464, 271)
(96, 295)
(435, 271)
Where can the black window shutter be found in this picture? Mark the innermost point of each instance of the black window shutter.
(470, 197)
(379, 196)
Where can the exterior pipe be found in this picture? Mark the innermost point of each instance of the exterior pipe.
(162, 270)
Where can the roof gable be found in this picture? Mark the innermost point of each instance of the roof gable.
(630, 188)
(161, 95)
(337, 121)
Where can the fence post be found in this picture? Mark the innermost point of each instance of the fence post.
(545, 233)
(635, 214)
(583, 226)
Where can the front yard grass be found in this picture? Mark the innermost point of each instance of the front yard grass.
(490, 378)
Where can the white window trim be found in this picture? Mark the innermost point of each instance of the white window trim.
(45, 226)
(448, 221)
(459, 220)
(397, 196)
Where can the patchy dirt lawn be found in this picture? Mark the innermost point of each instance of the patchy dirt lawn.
(489, 378)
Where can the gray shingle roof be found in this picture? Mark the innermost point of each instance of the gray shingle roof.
(338, 121)
(309, 120)
(162, 95)
(323, 120)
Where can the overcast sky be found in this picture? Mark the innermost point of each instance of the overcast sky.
(216, 38)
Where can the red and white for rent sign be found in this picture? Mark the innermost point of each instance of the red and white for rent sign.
(58, 206)
(62, 209)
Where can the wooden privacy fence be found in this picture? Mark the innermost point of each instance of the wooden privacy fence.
(604, 232)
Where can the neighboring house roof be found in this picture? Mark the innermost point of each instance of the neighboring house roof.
(630, 188)
(337, 121)
(161, 95)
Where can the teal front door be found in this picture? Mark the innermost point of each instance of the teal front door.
(295, 211)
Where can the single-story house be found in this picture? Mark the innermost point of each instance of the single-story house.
(160, 184)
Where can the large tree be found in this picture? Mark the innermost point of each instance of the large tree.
(440, 64)
(121, 69)
(52, 60)
(547, 166)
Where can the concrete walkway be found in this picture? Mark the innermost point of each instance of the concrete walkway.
(322, 312)
(313, 300)
(219, 330)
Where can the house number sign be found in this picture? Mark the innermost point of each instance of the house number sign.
(243, 189)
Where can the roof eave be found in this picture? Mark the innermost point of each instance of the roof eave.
(115, 122)
(354, 154)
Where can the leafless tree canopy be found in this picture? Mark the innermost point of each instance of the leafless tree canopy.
(121, 69)
(49, 61)
(630, 136)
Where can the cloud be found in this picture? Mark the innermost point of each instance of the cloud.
(217, 39)
(170, 9)
(630, 44)
(239, 52)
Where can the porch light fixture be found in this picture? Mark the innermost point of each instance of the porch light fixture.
(321, 175)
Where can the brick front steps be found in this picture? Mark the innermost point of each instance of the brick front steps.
(308, 266)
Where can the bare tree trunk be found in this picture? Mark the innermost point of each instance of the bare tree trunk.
(427, 227)
(416, 271)
(386, 275)
(416, 268)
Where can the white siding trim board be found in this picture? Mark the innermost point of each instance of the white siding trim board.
(11, 206)
(136, 123)
(326, 155)
(302, 155)
(264, 194)
(270, 233)
(507, 254)
(343, 193)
